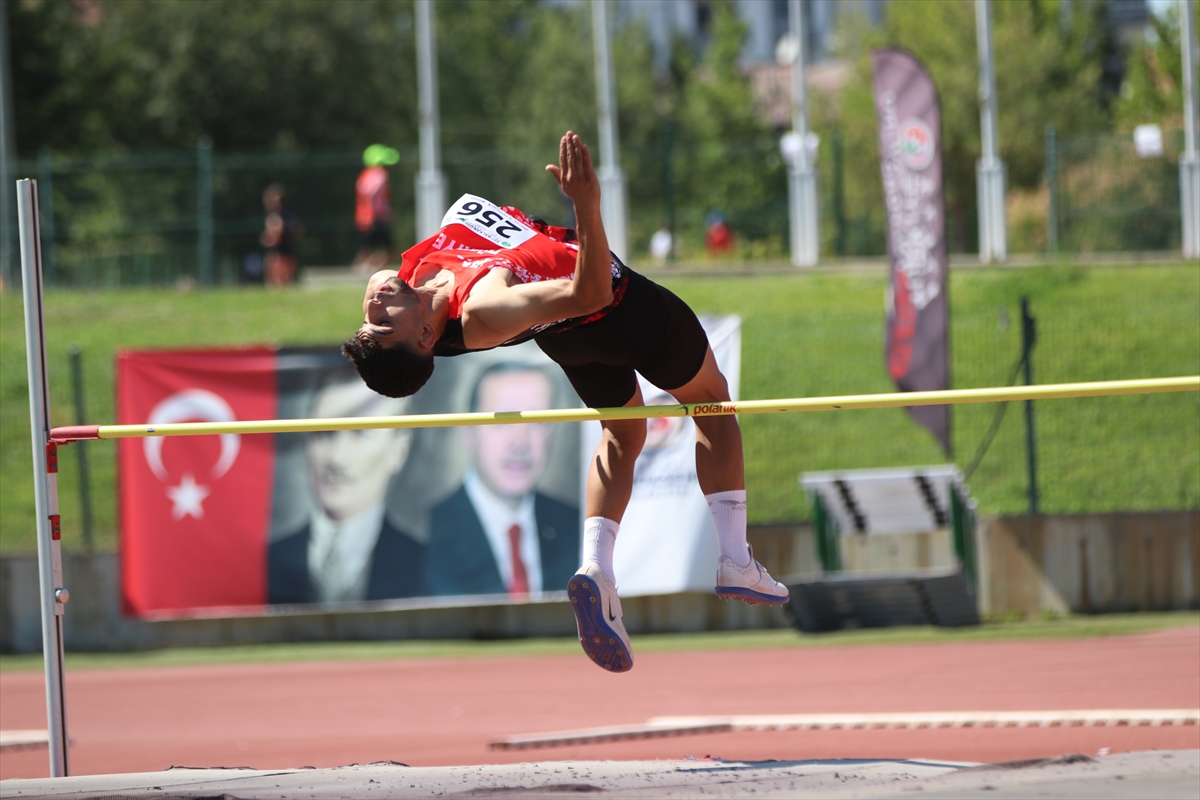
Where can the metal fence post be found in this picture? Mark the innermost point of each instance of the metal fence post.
(1052, 188)
(51, 593)
(668, 179)
(204, 211)
(1028, 339)
(85, 484)
(45, 195)
(839, 194)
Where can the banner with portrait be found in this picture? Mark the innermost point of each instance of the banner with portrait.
(244, 524)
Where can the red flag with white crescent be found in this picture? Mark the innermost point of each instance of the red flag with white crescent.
(195, 510)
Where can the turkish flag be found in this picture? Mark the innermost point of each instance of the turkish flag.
(195, 510)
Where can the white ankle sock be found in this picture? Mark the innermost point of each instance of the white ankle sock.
(599, 539)
(728, 511)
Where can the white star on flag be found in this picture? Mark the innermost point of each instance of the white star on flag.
(187, 497)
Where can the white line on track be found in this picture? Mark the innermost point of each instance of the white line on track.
(657, 727)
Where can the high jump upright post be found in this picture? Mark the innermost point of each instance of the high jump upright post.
(45, 476)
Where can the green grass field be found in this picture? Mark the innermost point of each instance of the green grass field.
(1072, 627)
(806, 334)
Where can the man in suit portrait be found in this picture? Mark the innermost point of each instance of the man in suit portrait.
(497, 534)
(349, 551)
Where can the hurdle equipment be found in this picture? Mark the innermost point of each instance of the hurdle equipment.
(74, 433)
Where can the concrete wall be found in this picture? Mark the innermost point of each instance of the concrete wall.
(1090, 563)
(1084, 563)
(93, 620)
(897, 552)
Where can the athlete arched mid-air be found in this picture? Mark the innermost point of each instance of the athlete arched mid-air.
(492, 277)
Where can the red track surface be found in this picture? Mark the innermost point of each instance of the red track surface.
(437, 712)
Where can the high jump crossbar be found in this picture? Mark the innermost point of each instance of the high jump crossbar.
(1191, 383)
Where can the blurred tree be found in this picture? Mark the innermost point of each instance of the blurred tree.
(1153, 88)
(1046, 73)
(729, 157)
(161, 73)
(104, 75)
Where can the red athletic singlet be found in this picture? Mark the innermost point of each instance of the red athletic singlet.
(477, 237)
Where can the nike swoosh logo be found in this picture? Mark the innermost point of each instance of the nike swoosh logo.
(611, 617)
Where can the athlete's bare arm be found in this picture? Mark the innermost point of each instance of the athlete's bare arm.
(500, 307)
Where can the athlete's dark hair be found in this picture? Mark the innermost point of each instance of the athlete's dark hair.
(392, 372)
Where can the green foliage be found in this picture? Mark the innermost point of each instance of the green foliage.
(1045, 74)
(1153, 89)
(161, 73)
(727, 159)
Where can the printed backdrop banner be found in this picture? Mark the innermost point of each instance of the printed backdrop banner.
(667, 542)
(910, 151)
(348, 517)
(194, 510)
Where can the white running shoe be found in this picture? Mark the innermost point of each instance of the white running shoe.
(598, 618)
(750, 584)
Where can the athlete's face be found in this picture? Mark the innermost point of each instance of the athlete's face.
(511, 458)
(391, 310)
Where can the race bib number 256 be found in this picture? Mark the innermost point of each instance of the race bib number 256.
(487, 220)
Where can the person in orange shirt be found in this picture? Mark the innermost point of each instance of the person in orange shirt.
(373, 209)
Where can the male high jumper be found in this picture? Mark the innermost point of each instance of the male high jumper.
(493, 277)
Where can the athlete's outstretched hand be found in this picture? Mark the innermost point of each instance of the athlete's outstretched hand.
(575, 174)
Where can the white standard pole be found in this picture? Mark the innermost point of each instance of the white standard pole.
(431, 183)
(1189, 162)
(802, 173)
(45, 475)
(989, 170)
(612, 179)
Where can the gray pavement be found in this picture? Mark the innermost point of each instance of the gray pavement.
(1130, 775)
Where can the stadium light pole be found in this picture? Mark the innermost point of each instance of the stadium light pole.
(989, 170)
(430, 183)
(802, 174)
(1189, 162)
(612, 180)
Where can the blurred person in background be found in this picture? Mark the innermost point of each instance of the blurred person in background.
(497, 534)
(373, 209)
(349, 551)
(281, 231)
(718, 239)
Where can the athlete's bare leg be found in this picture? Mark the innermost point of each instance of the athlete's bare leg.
(610, 475)
(719, 462)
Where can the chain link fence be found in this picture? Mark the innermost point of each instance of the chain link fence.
(152, 219)
(1091, 455)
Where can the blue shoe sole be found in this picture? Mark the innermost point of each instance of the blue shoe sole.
(750, 596)
(601, 643)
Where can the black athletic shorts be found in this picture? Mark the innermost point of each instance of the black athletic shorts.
(651, 331)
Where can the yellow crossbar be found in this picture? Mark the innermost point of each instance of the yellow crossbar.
(890, 400)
